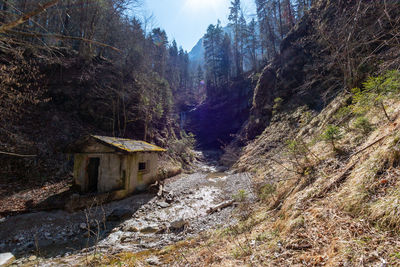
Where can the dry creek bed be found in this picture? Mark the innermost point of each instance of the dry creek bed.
(140, 222)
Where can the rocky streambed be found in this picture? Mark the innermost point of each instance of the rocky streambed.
(140, 222)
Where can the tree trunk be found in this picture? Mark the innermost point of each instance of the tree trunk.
(280, 19)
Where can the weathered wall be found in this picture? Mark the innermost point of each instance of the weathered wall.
(110, 171)
(80, 165)
(139, 180)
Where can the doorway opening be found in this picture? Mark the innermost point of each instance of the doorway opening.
(93, 174)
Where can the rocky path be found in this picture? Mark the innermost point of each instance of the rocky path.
(139, 222)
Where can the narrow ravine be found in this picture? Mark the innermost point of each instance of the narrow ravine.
(140, 222)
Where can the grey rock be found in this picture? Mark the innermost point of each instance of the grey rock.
(83, 226)
(129, 228)
(163, 204)
(6, 258)
(149, 230)
(178, 224)
(153, 261)
(32, 258)
(162, 230)
(125, 239)
(116, 229)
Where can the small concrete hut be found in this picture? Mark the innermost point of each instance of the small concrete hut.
(107, 164)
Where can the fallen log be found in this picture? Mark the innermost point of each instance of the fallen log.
(220, 206)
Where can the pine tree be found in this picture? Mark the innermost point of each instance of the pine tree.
(184, 70)
(172, 74)
(252, 44)
(234, 18)
(200, 76)
(212, 43)
(199, 83)
(242, 40)
(160, 41)
(225, 59)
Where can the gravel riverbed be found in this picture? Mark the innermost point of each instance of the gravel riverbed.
(142, 221)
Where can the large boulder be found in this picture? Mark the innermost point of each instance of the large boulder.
(178, 224)
(6, 259)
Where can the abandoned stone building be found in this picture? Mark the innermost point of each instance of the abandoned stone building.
(107, 164)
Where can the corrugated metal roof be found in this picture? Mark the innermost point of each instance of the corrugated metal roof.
(128, 145)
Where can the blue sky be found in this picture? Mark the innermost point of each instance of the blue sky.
(187, 20)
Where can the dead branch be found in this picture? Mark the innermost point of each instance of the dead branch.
(17, 155)
(63, 37)
(220, 206)
(338, 180)
(6, 27)
(373, 143)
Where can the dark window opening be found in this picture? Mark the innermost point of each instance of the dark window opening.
(142, 166)
(93, 174)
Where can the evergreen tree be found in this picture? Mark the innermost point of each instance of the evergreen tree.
(184, 70)
(200, 76)
(225, 59)
(160, 41)
(212, 44)
(242, 39)
(173, 75)
(252, 44)
(234, 19)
